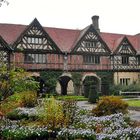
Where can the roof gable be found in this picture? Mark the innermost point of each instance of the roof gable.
(125, 47)
(90, 41)
(3, 45)
(35, 38)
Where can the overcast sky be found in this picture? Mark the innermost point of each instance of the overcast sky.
(116, 16)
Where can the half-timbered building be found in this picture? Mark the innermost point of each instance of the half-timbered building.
(37, 48)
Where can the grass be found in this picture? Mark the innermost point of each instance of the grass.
(133, 103)
(72, 97)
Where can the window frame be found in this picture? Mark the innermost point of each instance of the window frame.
(91, 59)
(124, 81)
(38, 58)
(125, 60)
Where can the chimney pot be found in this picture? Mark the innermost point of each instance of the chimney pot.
(95, 22)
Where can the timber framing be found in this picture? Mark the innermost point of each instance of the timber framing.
(37, 48)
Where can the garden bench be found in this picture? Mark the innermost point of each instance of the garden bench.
(130, 93)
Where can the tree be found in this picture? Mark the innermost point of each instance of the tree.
(15, 80)
(3, 1)
(50, 78)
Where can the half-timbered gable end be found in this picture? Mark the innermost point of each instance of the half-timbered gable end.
(90, 42)
(35, 38)
(124, 56)
(125, 47)
(4, 52)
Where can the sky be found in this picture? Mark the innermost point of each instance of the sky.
(115, 16)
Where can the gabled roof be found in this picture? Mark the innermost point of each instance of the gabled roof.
(86, 30)
(4, 44)
(35, 22)
(120, 41)
(10, 32)
(66, 39)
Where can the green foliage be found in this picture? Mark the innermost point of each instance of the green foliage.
(132, 87)
(69, 109)
(116, 88)
(15, 115)
(76, 78)
(134, 103)
(52, 114)
(106, 77)
(27, 98)
(50, 78)
(72, 97)
(15, 80)
(86, 91)
(110, 105)
(106, 82)
(4, 81)
(21, 81)
(93, 95)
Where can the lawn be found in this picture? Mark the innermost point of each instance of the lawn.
(134, 103)
(72, 97)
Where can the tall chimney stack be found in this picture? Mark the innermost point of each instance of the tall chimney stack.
(95, 23)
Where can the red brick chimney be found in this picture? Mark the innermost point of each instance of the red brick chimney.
(95, 23)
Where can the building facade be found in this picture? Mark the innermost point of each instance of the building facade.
(37, 48)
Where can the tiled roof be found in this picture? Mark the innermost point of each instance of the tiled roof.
(66, 39)
(10, 32)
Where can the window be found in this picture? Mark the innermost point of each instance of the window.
(138, 60)
(35, 58)
(125, 81)
(34, 40)
(125, 60)
(94, 59)
(90, 44)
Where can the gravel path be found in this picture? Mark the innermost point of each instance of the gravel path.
(134, 115)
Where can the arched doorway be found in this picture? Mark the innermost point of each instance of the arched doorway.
(65, 85)
(90, 81)
(64, 80)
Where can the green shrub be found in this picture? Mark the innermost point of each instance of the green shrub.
(15, 115)
(29, 99)
(114, 89)
(69, 109)
(132, 87)
(51, 114)
(110, 105)
(86, 91)
(23, 99)
(93, 95)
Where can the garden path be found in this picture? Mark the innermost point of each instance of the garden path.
(134, 115)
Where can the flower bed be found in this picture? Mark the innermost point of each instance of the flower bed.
(84, 127)
(65, 121)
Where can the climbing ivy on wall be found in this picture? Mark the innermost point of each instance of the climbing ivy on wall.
(106, 81)
(77, 78)
(106, 77)
(50, 78)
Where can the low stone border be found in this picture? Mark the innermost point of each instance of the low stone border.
(134, 108)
